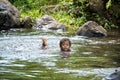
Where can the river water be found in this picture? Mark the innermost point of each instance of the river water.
(21, 56)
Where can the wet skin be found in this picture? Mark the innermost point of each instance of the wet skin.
(65, 46)
(44, 44)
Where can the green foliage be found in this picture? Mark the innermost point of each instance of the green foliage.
(79, 8)
(34, 14)
(108, 4)
(76, 14)
(25, 5)
(107, 24)
(31, 4)
(70, 21)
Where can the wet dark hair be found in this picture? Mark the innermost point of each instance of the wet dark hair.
(64, 40)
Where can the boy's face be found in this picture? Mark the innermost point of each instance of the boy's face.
(65, 46)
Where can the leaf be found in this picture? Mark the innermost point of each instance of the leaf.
(108, 4)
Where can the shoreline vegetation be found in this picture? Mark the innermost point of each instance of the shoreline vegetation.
(72, 13)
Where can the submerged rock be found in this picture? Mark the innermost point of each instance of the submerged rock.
(9, 15)
(48, 23)
(92, 29)
(113, 76)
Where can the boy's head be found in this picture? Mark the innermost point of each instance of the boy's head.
(65, 44)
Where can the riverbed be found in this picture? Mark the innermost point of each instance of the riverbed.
(21, 56)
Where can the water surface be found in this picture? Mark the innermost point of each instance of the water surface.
(21, 56)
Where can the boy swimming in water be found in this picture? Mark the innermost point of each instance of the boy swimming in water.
(65, 45)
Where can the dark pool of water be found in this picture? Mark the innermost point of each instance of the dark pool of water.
(21, 56)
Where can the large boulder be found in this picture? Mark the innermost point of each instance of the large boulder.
(48, 23)
(9, 15)
(92, 29)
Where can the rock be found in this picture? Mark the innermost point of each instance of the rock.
(113, 76)
(48, 23)
(54, 8)
(92, 29)
(26, 22)
(9, 15)
(96, 5)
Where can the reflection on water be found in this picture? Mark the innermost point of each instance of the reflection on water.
(21, 57)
